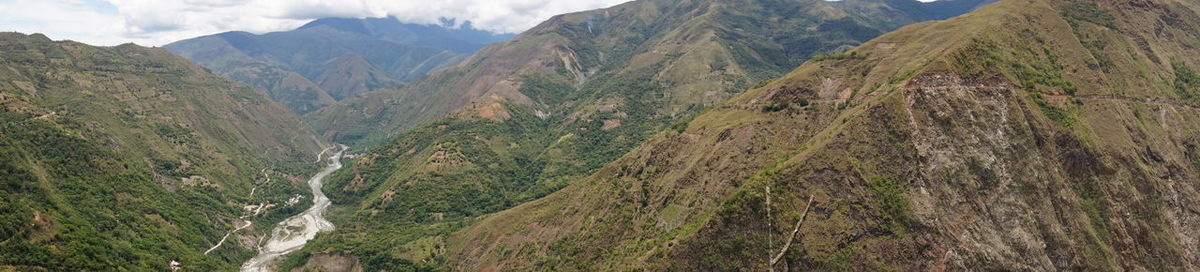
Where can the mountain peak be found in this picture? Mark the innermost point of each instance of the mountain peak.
(353, 25)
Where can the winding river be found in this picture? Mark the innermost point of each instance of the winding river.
(293, 233)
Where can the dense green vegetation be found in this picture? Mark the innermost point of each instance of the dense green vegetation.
(1187, 82)
(893, 203)
(71, 205)
(125, 158)
(838, 56)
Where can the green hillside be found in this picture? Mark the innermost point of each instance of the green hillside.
(1036, 135)
(125, 158)
(530, 115)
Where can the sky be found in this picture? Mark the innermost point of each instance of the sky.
(158, 22)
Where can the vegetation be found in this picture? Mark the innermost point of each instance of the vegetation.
(609, 83)
(1078, 12)
(1187, 82)
(1056, 114)
(711, 55)
(77, 208)
(124, 158)
(1084, 11)
(892, 202)
(962, 118)
(839, 56)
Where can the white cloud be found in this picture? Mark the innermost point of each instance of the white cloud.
(63, 19)
(157, 22)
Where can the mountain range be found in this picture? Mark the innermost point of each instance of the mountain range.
(525, 117)
(332, 59)
(1039, 135)
(581, 46)
(653, 135)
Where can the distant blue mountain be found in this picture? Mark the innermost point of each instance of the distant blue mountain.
(463, 39)
(330, 59)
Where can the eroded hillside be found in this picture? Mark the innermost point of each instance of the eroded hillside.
(1028, 135)
(563, 99)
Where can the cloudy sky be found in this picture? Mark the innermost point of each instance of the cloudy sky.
(157, 22)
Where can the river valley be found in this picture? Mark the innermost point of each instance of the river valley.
(294, 232)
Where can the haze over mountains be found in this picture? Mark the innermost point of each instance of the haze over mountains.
(332, 59)
(654, 135)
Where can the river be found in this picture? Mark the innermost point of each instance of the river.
(293, 233)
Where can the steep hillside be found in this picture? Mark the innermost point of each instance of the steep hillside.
(1036, 135)
(706, 50)
(567, 97)
(331, 59)
(129, 157)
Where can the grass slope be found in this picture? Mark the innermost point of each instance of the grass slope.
(590, 87)
(1028, 135)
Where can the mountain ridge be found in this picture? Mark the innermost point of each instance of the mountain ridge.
(561, 100)
(378, 52)
(1054, 136)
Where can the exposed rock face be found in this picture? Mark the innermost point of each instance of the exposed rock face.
(1017, 145)
(1006, 190)
(524, 117)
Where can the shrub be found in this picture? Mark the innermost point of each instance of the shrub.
(774, 107)
(892, 203)
(1187, 82)
(839, 56)
(1089, 12)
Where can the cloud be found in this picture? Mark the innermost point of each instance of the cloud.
(76, 20)
(157, 22)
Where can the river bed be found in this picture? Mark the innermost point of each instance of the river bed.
(293, 233)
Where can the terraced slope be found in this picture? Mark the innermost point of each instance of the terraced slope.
(1027, 135)
(128, 157)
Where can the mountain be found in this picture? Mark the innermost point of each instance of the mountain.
(128, 157)
(530, 115)
(577, 48)
(463, 39)
(1039, 135)
(331, 59)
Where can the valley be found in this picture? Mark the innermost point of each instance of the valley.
(646, 135)
(294, 232)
